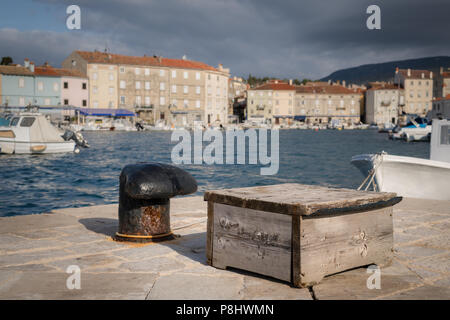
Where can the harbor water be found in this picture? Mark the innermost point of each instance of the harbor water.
(39, 183)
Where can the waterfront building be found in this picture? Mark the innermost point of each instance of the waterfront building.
(60, 87)
(178, 92)
(16, 85)
(441, 108)
(418, 90)
(328, 104)
(441, 86)
(383, 101)
(271, 102)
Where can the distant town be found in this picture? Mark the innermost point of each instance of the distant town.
(175, 93)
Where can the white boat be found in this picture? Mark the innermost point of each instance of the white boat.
(123, 125)
(32, 133)
(415, 130)
(410, 176)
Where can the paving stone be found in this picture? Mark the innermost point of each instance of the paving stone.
(95, 247)
(417, 252)
(85, 262)
(439, 264)
(439, 242)
(353, 284)
(426, 292)
(39, 234)
(159, 264)
(29, 268)
(30, 257)
(142, 252)
(423, 206)
(198, 287)
(93, 286)
(259, 288)
(445, 282)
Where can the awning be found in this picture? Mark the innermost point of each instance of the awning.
(106, 112)
(283, 117)
(299, 118)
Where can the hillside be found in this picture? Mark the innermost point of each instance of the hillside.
(385, 71)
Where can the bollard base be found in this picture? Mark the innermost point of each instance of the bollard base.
(138, 238)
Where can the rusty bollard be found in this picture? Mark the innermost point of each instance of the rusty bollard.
(144, 200)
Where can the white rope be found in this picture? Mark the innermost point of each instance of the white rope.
(378, 159)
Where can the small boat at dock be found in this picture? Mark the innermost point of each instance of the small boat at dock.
(32, 133)
(410, 176)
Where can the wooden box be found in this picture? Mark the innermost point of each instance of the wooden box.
(298, 233)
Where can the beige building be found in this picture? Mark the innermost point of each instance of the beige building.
(418, 89)
(177, 92)
(327, 104)
(237, 92)
(272, 102)
(383, 103)
(441, 86)
(441, 108)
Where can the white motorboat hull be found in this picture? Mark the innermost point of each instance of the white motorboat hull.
(10, 147)
(407, 176)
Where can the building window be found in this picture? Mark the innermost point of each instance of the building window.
(55, 86)
(138, 85)
(111, 68)
(110, 104)
(122, 99)
(197, 76)
(111, 90)
(84, 103)
(162, 86)
(137, 71)
(74, 63)
(185, 103)
(174, 89)
(185, 74)
(174, 102)
(138, 101)
(40, 86)
(174, 73)
(122, 70)
(95, 104)
(162, 101)
(197, 103)
(94, 76)
(111, 76)
(95, 90)
(66, 102)
(47, 102)
(147, 85)
(66, 85)
(197, 90)
(122, 84)
(147, 100)
(84, 86)
(161, 73)
(185, 89)
(22, 101)
(147, 71)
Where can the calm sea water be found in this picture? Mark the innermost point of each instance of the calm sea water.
(39, 183)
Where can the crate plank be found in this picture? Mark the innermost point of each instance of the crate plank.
(332, 244)
(252, 240)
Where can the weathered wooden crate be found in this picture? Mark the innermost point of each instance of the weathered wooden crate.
(299, 233)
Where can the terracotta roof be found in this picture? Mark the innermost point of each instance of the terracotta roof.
(329, 89)
(110, 58)
(57, 72)
(15, 70)
(447, 97)
(415, 74)
(387, 86)
(272, 85)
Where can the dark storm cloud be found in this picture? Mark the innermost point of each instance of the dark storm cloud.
(280, 38)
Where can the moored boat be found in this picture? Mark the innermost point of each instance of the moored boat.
(411, 176)
(32, 133)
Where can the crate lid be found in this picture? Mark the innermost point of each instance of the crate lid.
(300, 199)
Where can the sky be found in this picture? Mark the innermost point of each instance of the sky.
(279, 38)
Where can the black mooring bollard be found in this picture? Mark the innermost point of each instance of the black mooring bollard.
(144, 200)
